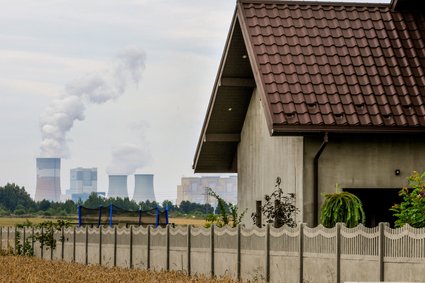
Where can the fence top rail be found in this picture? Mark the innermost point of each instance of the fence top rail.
(359, 230)
(405, 231)
(319, 230)
(285, 230)
(220, 231)
(195, 231)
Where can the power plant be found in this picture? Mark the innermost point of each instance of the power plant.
(117, 186)
(143, 188)
(48, 185)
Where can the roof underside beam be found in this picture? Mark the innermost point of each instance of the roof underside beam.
(237, 82)
(222, 138)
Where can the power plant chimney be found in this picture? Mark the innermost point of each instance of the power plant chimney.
(118, 186)
(48, 179)
(143, 188)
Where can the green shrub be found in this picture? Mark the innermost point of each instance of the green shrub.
(412, 209)
(342, 207)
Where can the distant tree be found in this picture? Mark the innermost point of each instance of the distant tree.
(44, 205)
(94, 201)
(169, 204)
(12, 195)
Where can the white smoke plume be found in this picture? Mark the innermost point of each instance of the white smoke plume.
(97, 88)
(126, 159)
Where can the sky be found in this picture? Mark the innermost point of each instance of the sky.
(134, 76)
(51, 49)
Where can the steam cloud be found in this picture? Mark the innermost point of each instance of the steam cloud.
(97, 88)
(126, 159)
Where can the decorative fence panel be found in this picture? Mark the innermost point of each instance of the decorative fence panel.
(299, 254)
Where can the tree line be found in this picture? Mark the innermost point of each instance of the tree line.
(14, 200)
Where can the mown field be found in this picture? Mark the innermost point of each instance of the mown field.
(30, 269)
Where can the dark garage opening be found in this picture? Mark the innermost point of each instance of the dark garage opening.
(376, 204)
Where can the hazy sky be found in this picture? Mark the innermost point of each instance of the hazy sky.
(47, 46)
(52, 50)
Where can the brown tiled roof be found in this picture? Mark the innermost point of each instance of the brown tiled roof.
(338, 65)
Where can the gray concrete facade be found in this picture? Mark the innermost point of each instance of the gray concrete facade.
(262, 158)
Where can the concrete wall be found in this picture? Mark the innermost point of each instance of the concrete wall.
(360, 162)
(262, 158)
(286, 254)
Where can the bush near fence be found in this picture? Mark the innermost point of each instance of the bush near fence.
(299, 254)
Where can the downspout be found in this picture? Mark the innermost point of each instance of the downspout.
(316, 180)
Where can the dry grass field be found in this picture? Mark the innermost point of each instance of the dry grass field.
(30, 269)
(12, 221)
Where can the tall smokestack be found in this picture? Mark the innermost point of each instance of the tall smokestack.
(118, 186)
(143, 188)
(48, 179)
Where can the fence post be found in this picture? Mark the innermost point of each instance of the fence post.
(63, 243)
(100, 244)
(115, 246)
(381, 250)
(14, 244)
(157, 217)
(52, 234)
(8, 243)
(99, 221)
(23, 239)
(79, 216)
(110, 215)
(212, 249)
(167, 239)
(41, 243)
(338, 252)
(32, 239)
(1, 238)
(238, 246)
(301, 252)
(131, 246)
(87, 245)
(166, 215)
(73, 245)
(267, 247)
(188, 249)
(148, 250)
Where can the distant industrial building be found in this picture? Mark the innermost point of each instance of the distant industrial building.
(143, 188)
(117, 186)
(83, 182)
(194, 189)
(48, 179)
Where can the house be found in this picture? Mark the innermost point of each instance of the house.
(319, 94)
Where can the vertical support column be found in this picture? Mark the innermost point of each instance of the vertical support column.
(131, 246)
(381, 250)
(73, 245)
(167, 238)
(8, 242)
(63, 243)
(79, 216)
(189, 227)
(238, 246)
(115, 246)
(87, 245)
(301, 252)
(52, 234)
(16, 238)
(338, 252)
(148, 249)
(110, 215)
(267, 247)
(32, 239)
(99, 220)
(100, 244)
(166, 215)
(212, 249)
(41, 243)
(157, 217)
(1, 238)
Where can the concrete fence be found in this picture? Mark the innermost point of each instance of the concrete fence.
(285, 254)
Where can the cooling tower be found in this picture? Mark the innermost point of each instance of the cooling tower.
(143, 188)
(118, 186)
(48, 179)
